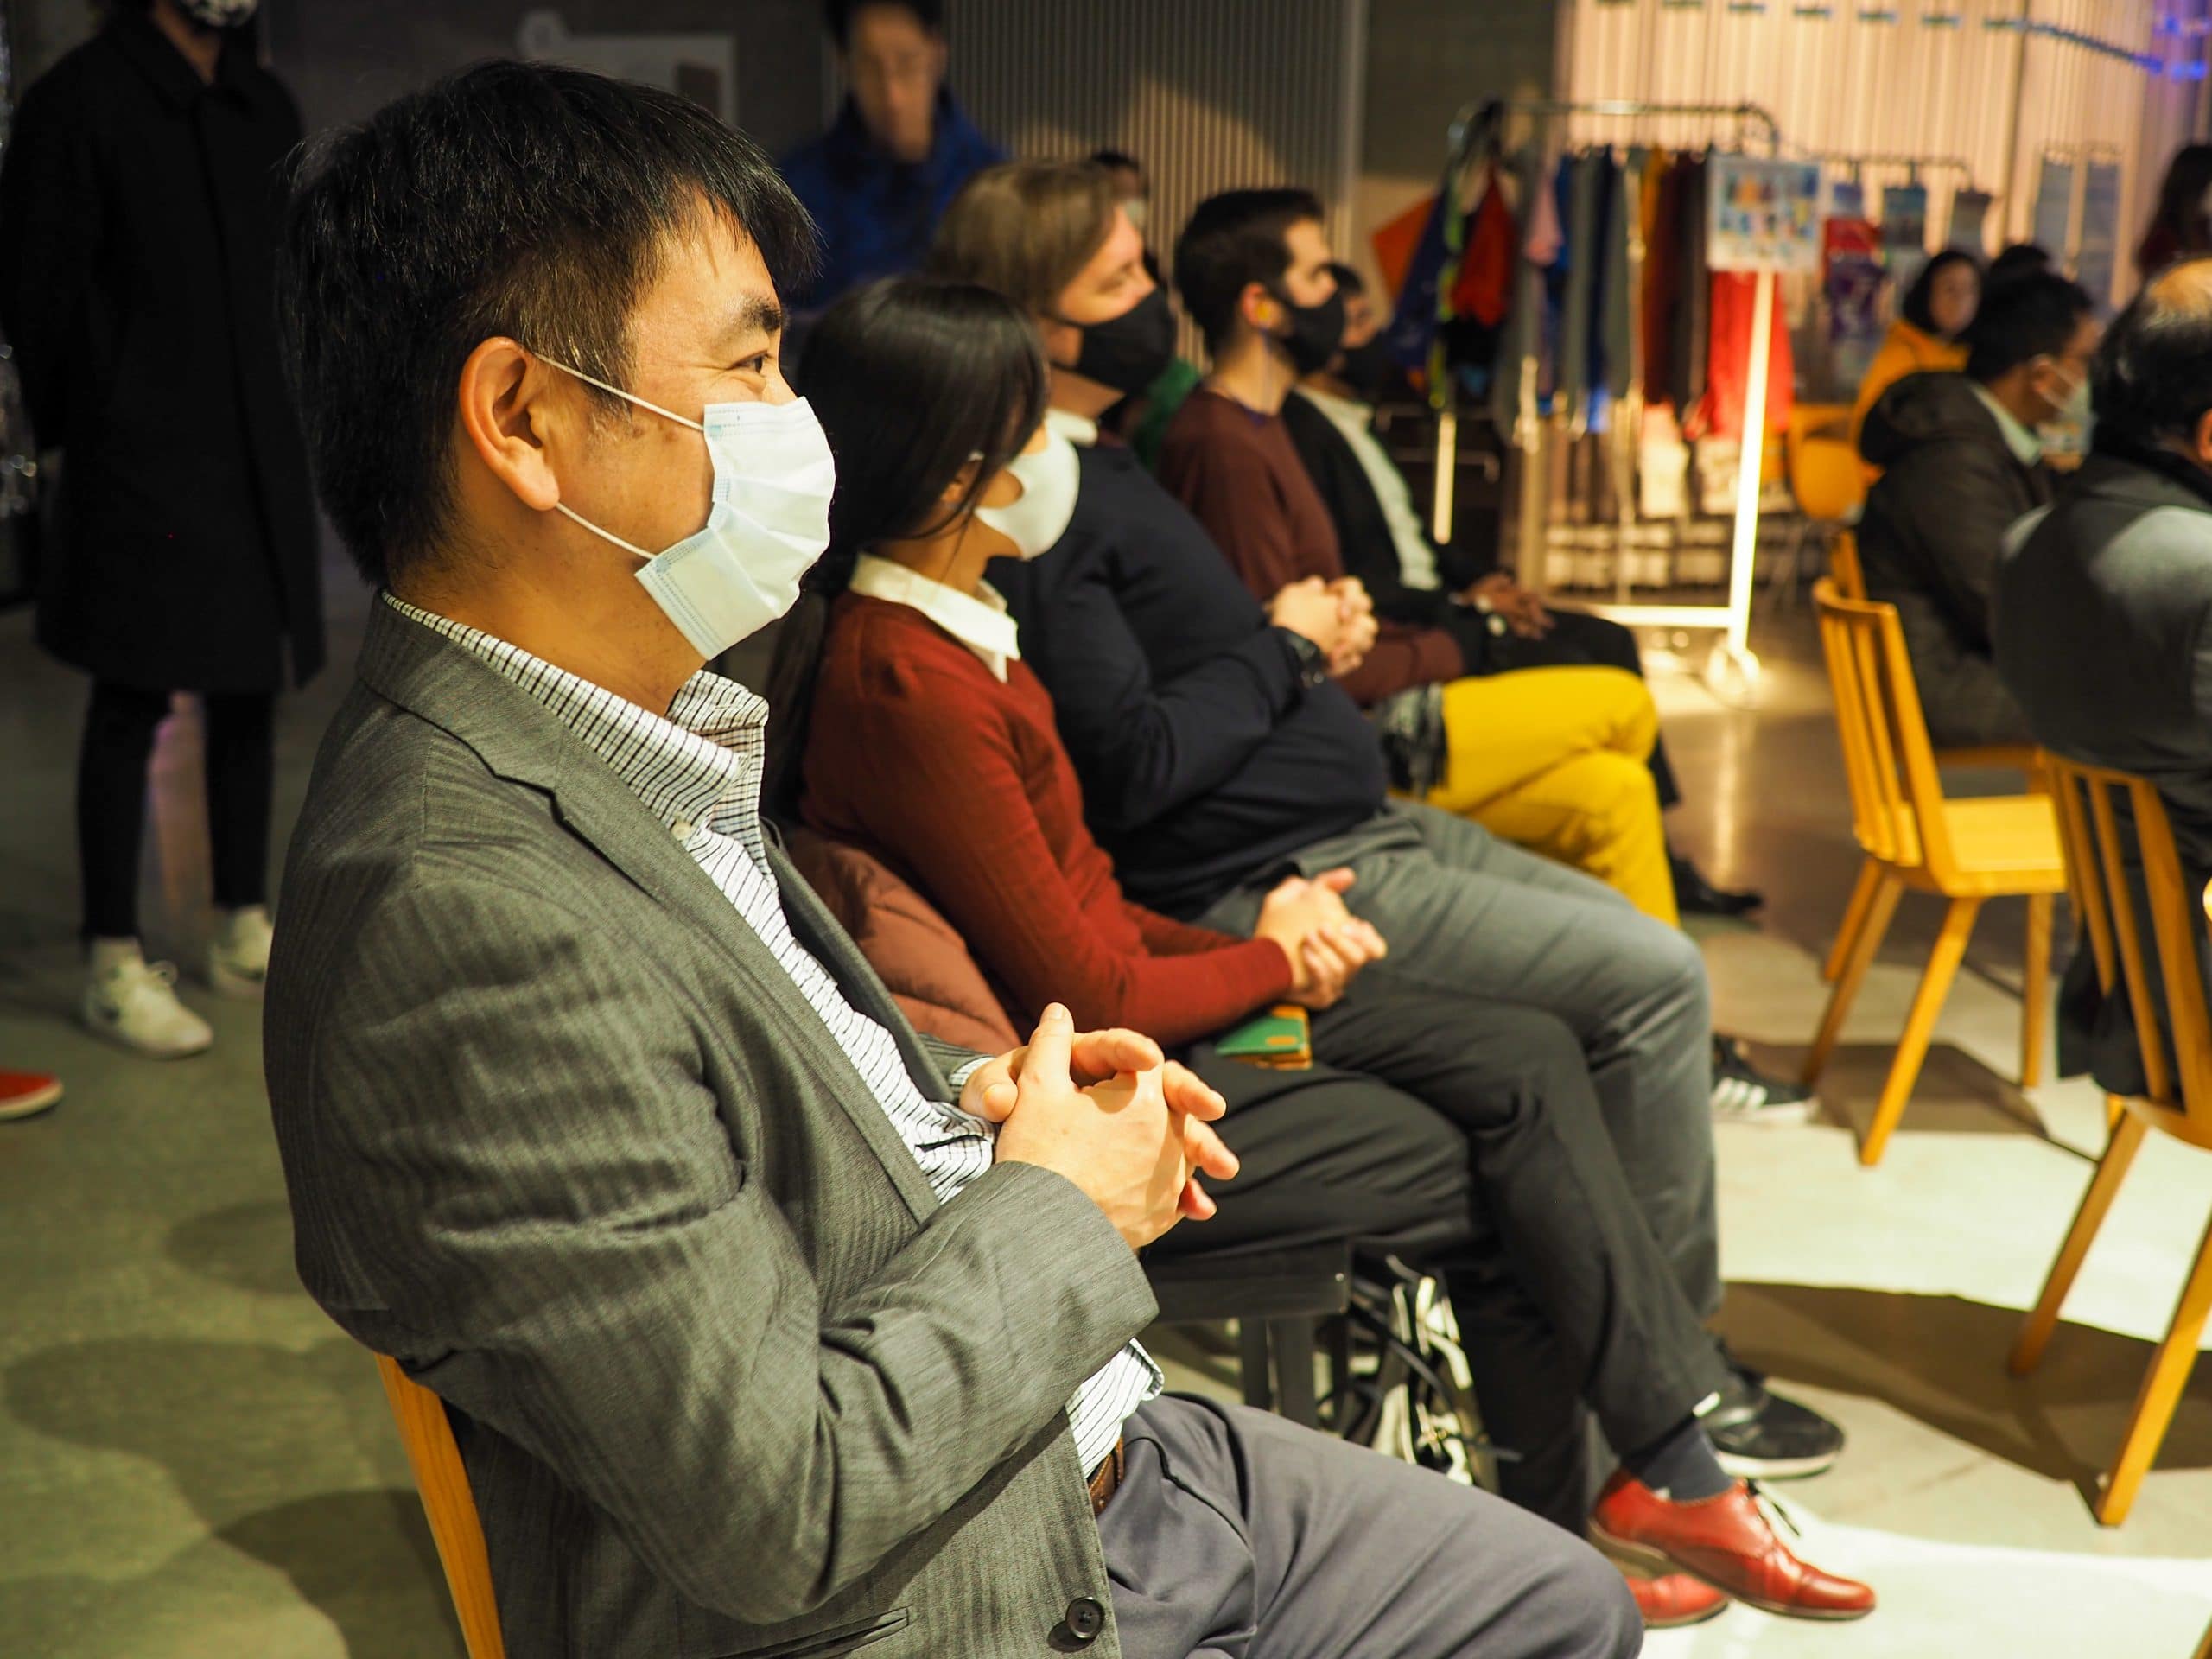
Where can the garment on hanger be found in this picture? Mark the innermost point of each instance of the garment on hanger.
(1483, 289)
(1729, 349)
(1520, 343)
(1693, 310)
(1575, 286)
(1662, 273)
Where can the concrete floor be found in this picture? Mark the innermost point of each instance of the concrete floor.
(193, 1464)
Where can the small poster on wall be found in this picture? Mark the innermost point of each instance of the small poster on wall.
(1851, 283)
(1765, 215)
(2096, 260)
(1904, 231)
(2055, 209)
(1970, 222)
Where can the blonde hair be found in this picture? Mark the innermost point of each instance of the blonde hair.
(1026, 229)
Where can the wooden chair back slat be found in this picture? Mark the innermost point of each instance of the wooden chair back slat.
(1897, 795)
(1849, 575)
(450, 1506)
(2173, 1027)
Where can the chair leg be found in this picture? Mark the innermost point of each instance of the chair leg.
(1854, 917)
(2115, 1108)
(2161, 1391)
(1883, 905)
(1920, 1025)
(2104, 1187)
(2035, 991)
(1252, 1363)
(1292, 1341)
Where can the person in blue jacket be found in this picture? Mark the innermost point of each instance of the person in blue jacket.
(899, 151)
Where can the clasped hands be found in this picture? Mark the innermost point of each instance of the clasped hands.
(1131, 1129)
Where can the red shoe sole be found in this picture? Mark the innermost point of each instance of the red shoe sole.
(1646, 1556)
(1684, 1621)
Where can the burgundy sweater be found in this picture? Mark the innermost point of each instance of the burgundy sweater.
(1239, 473)
(918, 753)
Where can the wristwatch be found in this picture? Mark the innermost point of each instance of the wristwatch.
(1312, 661)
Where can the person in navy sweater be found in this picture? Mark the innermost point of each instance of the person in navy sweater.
(878, 181)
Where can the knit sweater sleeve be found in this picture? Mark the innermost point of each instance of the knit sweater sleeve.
(1403, 657)
(929, 769)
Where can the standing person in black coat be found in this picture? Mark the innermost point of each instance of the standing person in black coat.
(138, 210)
(1961, 464)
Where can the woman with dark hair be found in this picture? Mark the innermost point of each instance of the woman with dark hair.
(2181, 228)
(1930, 331)
(911, 727)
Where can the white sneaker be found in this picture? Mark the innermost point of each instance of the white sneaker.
(237, 960)
(134, 1002)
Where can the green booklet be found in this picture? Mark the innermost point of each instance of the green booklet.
(1281, 1036)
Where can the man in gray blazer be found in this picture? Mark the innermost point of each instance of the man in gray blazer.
(756, 1343)
(2103, 612)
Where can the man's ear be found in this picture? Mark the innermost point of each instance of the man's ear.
(1260, 309)
(2203, 439)
(505, 408)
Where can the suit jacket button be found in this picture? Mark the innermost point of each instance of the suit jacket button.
(1085, 1620)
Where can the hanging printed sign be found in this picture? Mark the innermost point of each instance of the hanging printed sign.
(1851, 283)
(1904, 231)
(2055, 209)
(2095, 262)
(1970, 221)
(1765, 216)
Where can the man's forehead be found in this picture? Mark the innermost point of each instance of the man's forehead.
(712, 283)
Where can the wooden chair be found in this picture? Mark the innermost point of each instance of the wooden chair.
(442, 1483)
(2174, 1031)
(1967, 850)
(1850, 578)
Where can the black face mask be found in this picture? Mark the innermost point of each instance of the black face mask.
(1128, 352)
(1315, 332)
(1370, 368)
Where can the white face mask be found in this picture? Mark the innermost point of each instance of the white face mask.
(770, 520)
(1049, 478)
(217, 14)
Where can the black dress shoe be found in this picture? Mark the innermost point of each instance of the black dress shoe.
(1696, 896)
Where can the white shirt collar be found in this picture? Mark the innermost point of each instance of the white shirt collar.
(1344, 411)
(979, 622)
(2020, 439)
(1078, 429)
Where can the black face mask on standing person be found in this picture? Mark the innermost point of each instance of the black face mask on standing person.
(1315, 332)
(1128, 352)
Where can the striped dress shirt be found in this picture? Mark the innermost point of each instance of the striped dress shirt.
(699, 770)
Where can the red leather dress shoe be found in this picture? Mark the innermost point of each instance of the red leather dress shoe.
(1726, 1542)
(1674, 1599)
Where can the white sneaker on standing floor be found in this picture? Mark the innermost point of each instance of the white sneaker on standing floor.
(132, 1001)
(238, 961)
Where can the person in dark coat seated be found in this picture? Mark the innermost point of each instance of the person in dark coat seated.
(1500, 624)
(1961, 464)
(138, 206)
(2104, 607)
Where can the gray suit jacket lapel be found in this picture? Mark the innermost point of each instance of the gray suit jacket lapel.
(521, 739)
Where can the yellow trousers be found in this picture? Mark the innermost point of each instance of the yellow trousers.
(1556, 760)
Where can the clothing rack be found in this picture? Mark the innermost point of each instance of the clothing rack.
(1732, 669)
(1913, 165)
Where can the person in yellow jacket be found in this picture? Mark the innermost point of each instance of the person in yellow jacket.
(1929, 334)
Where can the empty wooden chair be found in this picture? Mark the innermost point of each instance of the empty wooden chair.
(442, 1484)
(1967, 851)
(2174, 1031)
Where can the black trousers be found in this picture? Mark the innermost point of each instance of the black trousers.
(118, 741)
(1577, 640)
(1484, 1157)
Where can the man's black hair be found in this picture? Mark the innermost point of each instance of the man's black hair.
(2152, 378)
(2027, 317)
(2018, 259)
(1233, 240)
(839, 15)
(514, 200)
(1349, 281)
(1113, 159)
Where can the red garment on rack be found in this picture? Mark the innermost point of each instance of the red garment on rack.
(1484, 286)
(1728, 360)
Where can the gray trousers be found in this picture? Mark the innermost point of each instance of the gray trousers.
(1469, 915)
(1237, 1535)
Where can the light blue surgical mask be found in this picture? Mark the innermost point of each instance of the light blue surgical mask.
(768, 523)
